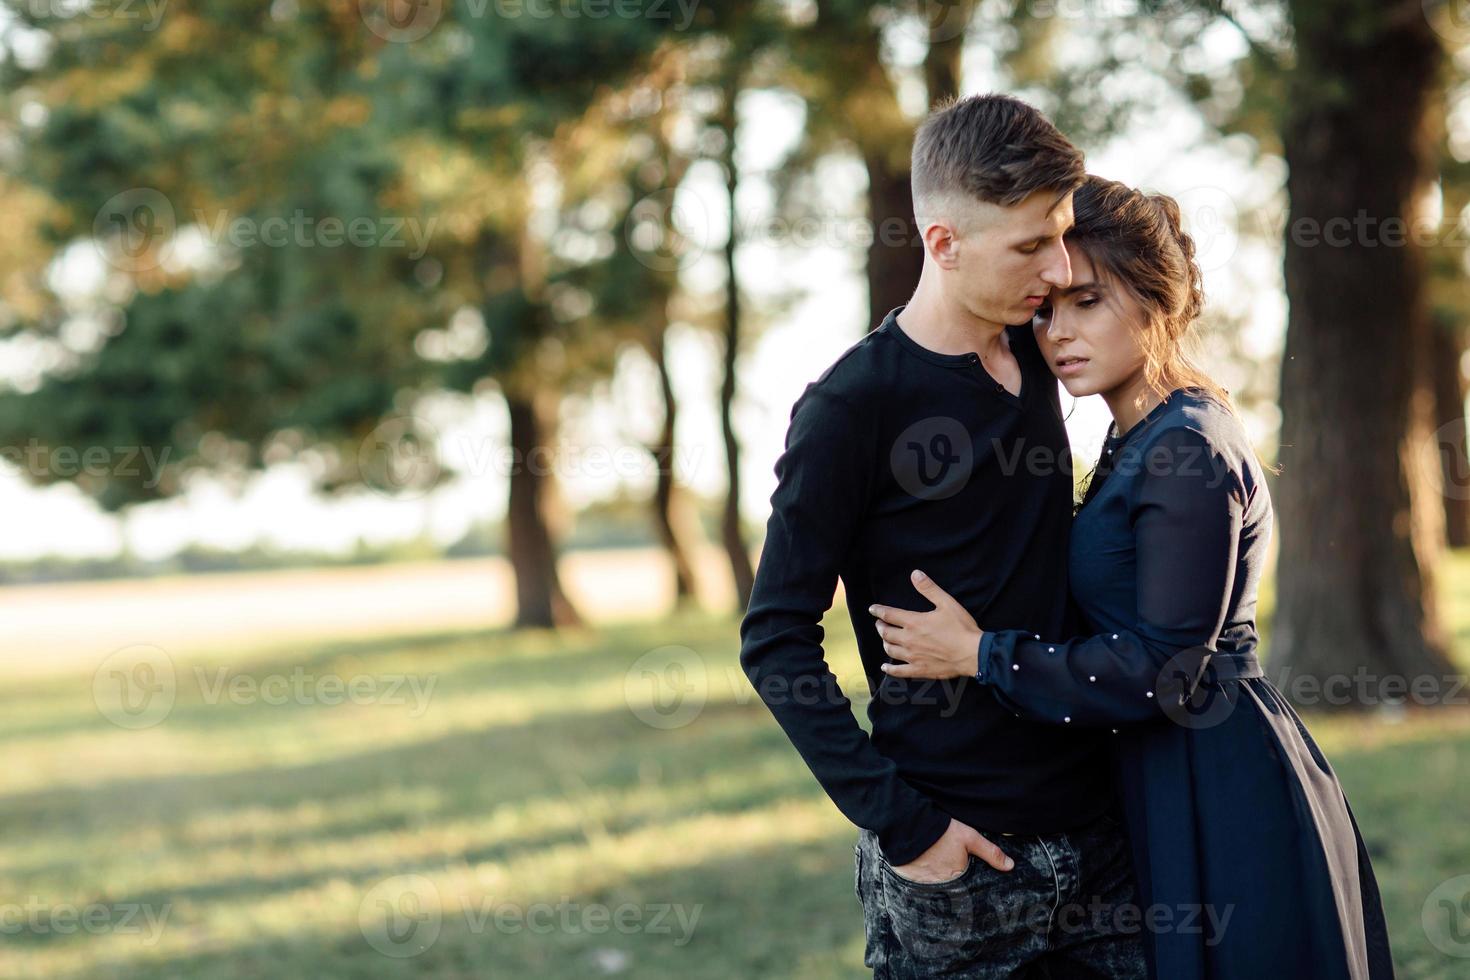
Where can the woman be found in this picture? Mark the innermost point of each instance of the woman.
(1241, 836)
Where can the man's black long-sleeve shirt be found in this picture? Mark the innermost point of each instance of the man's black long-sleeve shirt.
(897, 458)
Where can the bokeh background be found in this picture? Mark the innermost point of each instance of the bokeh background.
(389, 395)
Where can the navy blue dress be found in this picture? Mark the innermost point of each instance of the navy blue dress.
(1246, 852)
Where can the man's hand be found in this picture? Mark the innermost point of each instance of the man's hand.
(949, 856)
(943, 642)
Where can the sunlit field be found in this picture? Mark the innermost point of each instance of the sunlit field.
(485, 804)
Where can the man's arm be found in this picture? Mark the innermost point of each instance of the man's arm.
(824, 481)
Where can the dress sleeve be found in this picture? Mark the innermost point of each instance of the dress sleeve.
(824, 483)
(1186, 517)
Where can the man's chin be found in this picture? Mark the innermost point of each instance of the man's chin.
(1012, 316)
(1025, 313)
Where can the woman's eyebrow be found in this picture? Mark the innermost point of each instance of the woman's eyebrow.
(1077, 288)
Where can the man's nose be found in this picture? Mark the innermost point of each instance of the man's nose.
(1058, 271)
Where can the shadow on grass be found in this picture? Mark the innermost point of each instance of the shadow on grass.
(780, 911)
(555, 759)
(499, 659)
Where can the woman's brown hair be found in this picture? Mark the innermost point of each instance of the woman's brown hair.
(1138, 241)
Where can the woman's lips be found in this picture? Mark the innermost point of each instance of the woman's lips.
(1067, 366)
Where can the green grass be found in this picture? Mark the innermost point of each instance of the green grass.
(540, 773)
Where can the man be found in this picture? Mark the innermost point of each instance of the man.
(987, 846)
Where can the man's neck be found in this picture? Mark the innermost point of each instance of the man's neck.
(935, 323)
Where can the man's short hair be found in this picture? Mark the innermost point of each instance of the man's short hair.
(992, 148)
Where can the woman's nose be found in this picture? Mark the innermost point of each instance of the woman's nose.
(1057, 329)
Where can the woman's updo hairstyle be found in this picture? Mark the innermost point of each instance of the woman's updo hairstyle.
(1137, 241)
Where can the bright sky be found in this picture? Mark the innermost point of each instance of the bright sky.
(1220, 194)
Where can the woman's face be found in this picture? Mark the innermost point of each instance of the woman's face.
(1090, 332)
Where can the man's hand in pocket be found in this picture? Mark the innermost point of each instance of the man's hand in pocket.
(949, 856)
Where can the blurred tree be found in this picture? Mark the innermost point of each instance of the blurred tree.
(701, 99)
(626, 155)
(1348, 92)
(748, 35)
(258, 352)
(1449, 300)
(853, 91)
(1359, 515)
(484, 98)
(731, 534)
(231, 344)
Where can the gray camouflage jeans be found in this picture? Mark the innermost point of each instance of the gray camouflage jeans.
(1062, 912)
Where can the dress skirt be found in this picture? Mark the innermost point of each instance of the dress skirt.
(1248, 857)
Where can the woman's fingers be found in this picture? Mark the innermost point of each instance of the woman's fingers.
(892, 642)
(889, 632)
(930, 589)
(894, 617)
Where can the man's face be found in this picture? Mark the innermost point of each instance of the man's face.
(1007, 259)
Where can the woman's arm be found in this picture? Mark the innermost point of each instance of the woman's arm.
(1186, 521)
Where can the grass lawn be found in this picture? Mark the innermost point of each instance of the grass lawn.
(537, 807)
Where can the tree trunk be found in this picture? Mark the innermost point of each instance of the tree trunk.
(540, 601)
(948, 25)
(1358, 514)
(896, 254)
(895, 257)
(731, 535)
(1449, 408)
(669, 513)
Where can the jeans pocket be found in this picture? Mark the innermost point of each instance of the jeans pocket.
(940, 925)
(946, 883)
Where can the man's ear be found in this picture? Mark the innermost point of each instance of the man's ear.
(941, 244)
